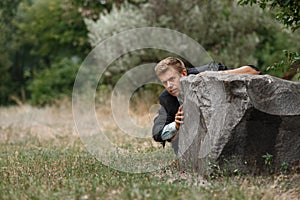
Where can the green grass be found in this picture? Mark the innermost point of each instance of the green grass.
(41, 157)
(31, 170)
(51, 172)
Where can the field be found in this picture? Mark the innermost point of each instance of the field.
(43, 157)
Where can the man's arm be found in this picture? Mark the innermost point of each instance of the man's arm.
(164, 126)
(159, 124)
(163, 130)
(248, 69)
(242, 70)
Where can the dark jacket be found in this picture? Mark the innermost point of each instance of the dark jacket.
(169, 104)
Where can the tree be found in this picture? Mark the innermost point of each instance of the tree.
(38, 34)
(54, 83)
(287, 11)
(8, 10)
(232, 34)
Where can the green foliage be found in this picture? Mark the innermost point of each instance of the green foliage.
(287, 11)
(37, 34)
(52, 29)
(128, 16)
(267, 159)
(8, 9)
(234, 35)
(53, 83)
(287, 65)
(284, 168)
(7, 12)
(228, 168)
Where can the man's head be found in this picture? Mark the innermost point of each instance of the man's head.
(169, 71)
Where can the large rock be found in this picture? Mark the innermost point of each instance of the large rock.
(248, 123)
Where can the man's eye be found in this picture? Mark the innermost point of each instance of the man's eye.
(172, 79)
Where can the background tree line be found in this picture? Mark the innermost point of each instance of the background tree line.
(43, 42)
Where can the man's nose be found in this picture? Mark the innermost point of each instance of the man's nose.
(169, 84)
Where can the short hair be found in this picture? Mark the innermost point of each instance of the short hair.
(167, 63)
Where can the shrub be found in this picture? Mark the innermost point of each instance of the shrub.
(53, 83)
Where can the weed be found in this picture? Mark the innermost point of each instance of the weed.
(268, 158)
(284, 168)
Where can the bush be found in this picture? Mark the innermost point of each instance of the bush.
(232, 34)
(53, 83)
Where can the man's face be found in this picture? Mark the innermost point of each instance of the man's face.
(171, 81)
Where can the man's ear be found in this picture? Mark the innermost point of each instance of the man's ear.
(184, 72)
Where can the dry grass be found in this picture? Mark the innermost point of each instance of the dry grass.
(42, 157)
(48, 123)
(54, 122)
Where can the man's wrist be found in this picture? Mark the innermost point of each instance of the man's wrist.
(177, 126)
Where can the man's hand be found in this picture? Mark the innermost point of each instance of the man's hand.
(179, 117)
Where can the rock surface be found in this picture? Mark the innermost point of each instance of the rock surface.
(240, 123)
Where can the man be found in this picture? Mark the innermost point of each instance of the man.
(170, 115)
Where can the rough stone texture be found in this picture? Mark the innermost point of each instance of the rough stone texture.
(231, 121)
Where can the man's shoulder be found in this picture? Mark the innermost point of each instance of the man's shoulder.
(163, 94)
(212, 66)
(166, 99)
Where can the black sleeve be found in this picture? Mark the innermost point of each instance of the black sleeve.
(159, 123)
(212, 66)
(166, 114)
(163, 118)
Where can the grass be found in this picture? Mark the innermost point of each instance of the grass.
(42, 157)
